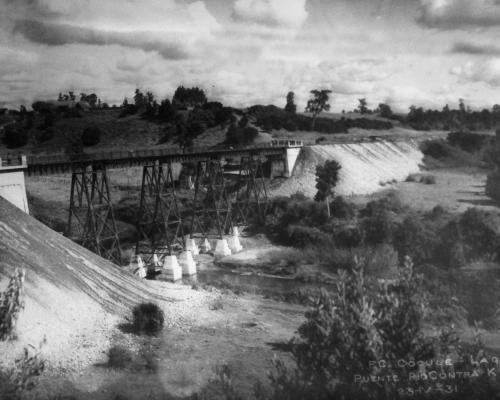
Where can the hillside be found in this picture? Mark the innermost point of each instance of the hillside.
(72, 296)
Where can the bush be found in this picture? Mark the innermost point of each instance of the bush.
(11, 304)
(91, 136)
(416, 239)
(363, 329)
(302, 236)
(15, 136)
(340, 208)
(359, 322)
(16, 381)
(467, 141)
(474, 236)
(216, 304)
(437, 149)
(148, 318)
(119, 357)
(379, 227)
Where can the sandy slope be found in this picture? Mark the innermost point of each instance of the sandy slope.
(73, 297)
(365, 167)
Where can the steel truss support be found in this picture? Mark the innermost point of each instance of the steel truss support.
(211, 213)
(159, 223)
(91, 221)
(251, 197)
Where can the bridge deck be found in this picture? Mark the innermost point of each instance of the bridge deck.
(60, 163)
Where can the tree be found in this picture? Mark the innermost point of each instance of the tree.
(496, 109)
(138, 98)
(189, 97)
(385, 110)
(362, 108)
(166, 112)
(290, 105)
(326, 178)
(317, 104)
(92, 99)
(461, 105)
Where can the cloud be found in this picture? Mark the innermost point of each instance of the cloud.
(475, 49)
(458, 14)
(53, 34)
(288, 13)
(487, 71)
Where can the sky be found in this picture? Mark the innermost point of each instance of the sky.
(242, 52)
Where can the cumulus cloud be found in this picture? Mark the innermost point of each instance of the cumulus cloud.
(457, 14)
(288, 13)
(165, 26)
(487, 71)
(475, 49)
(60, 34)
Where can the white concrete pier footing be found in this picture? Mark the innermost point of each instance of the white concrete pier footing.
(172, 268)
(234, 244)
(156, 262)
(187, 263)
(205, 246)
(222, 249)
(192, 246)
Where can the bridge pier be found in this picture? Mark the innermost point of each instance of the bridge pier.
(251, 196)
(159, 223)
(91, 220)
(211, 214)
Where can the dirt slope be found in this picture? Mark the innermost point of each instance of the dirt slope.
(365, 167)
(72, 296)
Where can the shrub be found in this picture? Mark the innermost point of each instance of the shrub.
(119, 357)
(474, 236)
(11, 304)
(91, 136)
(467, 141)
(148, 318)
(362, 330)
(16, 381)
(15, 136)
(436, 149)
(340, 208)
(216, 304)
(302, 236)
(359, 322)
(416, 239)
(480, 232)
(348, 235)
(379, 227)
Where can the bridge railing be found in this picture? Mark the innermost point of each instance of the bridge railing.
(152, 153)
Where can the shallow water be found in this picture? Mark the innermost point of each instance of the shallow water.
(251, 282)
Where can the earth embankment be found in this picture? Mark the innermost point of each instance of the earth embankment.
(366, 166)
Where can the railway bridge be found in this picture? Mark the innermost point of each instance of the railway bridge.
(229, 188)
